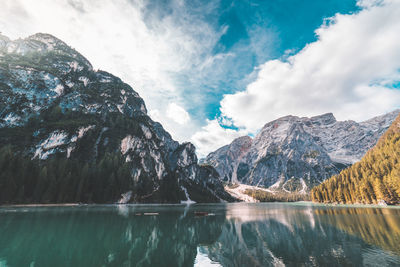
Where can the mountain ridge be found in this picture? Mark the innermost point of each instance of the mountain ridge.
(373, 180)
(309, 150)
(55, 110)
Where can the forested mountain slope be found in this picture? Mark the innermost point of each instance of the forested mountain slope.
(69, 133)
(376, 178)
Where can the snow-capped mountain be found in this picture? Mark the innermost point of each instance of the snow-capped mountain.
(56, 109)
(294, 154)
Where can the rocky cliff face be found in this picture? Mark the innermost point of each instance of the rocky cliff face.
(294, 154)
(226, 159)
(54, 106)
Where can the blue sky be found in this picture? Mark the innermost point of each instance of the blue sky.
(211, 71)
(256, 31)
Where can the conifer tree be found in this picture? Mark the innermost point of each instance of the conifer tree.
(376, 177)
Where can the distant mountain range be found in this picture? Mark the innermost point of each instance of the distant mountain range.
(373, 180)
(294, 154)
(69, 133)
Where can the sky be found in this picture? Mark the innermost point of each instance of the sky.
(211, 71)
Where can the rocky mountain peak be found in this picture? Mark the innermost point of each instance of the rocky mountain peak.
(3, 41)
(38, 45)
(241, 143)
(380, 121)
(226, 159)
(293, 153)
(46, 39)
(324, 119)
(56, 110)
(42, 70)
(289, 118)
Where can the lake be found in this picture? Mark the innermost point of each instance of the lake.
(239, 234)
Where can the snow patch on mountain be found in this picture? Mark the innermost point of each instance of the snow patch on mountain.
(128, 143)
(85, 80)
(69, 151)
(238, 191)
(11, 120)
(304, 188)
(83, 130)
(146, 131)
(46, 147)
(125, 197)
(188, 201)
(75, 66)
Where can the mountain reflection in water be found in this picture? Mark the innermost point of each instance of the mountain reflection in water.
(238, 234)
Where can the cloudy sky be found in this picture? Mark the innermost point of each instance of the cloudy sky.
(211, 71)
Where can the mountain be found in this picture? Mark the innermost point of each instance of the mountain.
(295, 154)
(69, 133)
(375, 179)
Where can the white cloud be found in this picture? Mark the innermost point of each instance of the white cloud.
(369, 3)
(142, 47)
(177, 114)
(212, 136)
(346, 71)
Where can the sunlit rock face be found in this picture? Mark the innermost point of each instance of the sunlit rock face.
(294, 154)
(226, 159)
(54, 105)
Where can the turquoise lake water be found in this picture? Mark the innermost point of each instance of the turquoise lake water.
(240, 234)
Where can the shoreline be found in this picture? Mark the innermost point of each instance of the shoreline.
(197, 204)
(44, 205)
(359, 205)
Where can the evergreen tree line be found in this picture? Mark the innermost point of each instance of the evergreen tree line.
(85, 177)
(264, 196)
(62, 180)
(376, 177)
